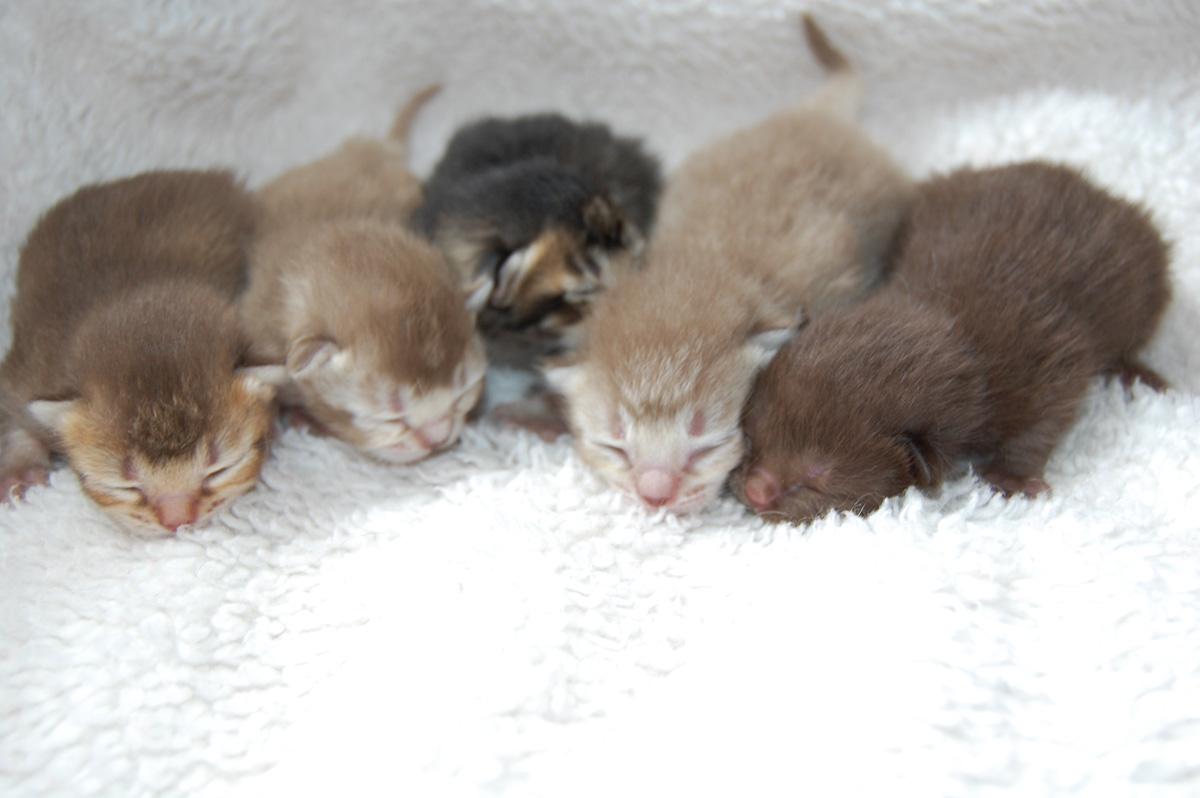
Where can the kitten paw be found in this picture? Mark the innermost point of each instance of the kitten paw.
(532, 415)
(14, 485)
(1132, 371)
(296, 418)
(1010, 484)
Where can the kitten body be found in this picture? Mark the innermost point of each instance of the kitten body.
(1012, 288)
(552, 209)
(125, 349)
(374, 327)
(782, 220)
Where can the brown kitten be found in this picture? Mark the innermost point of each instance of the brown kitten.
(784, 219)
(125, 348)
(1012, 288)
(373, 326)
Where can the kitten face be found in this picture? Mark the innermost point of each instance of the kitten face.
(162, 494)
(855, 474)
(669, 442)
(546, 285)
(394, 420)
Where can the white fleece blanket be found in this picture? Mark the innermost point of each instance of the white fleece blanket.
(494, 621)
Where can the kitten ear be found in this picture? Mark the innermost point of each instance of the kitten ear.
(476, 292)
(307, 354)
(924, 462)
(604, 222)
(563, 375)
(262, 381)
(770, 334)
(51, 414)
(511, 273)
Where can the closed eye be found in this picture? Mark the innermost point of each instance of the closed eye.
(617, 450)
(697, 455)
(128, 491)
(215, 474)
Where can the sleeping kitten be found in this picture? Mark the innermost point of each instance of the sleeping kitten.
(778, 221)
(550, 208)
(375, 329)
(1013, 287)
(125, 350)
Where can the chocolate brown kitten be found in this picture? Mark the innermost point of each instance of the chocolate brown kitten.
(785, 218)
(125, 349)
(373, 325)
(1012, 288)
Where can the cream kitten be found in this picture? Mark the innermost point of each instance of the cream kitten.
(374, 328)
(125, 350)
(778, 221)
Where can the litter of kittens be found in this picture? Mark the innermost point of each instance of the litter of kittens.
(863, 363)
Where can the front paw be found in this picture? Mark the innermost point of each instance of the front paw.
(1011, 484)
(13, 484)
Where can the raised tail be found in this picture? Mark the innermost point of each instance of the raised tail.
(842, 93)
(408, 114)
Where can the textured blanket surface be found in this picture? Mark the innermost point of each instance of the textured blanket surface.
(494, 621)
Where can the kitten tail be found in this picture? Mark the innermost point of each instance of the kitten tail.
(842, 93)
(402, 127)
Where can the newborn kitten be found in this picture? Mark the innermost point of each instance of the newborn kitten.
(125, 350)
(551, 209)
(375, 329)
(1012, 288)
(785, 218)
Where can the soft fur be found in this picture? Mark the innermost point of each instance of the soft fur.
(777, 222)
(1012, 287)
(125, 343)
(496, 621)
(373, 325)
(552, 208)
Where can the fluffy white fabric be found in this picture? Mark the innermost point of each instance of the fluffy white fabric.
(494, 620)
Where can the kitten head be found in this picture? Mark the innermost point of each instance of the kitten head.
(660, 420)
(390, 410)
(864, 404)
(384, 352)
(172, 458)
(547, 283)
(804, 472)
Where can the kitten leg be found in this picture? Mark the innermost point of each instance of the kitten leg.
(24, 462)
(298, 418)
(1133, 370)
(1018, 464)
(538, 414)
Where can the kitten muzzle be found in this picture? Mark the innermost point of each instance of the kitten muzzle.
(762, 490)
(174, 510)
(657, 487)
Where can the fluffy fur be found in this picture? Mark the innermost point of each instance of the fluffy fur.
(1013, 287)
(552, 208)
(125, 344)
(372, 324)
(784, 219)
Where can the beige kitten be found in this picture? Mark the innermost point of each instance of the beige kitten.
(125, 348)
(374, 328)
(775, 222)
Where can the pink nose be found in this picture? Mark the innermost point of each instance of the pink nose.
(436, 434)
(657, 487)
(762, 489)
(176, 509)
